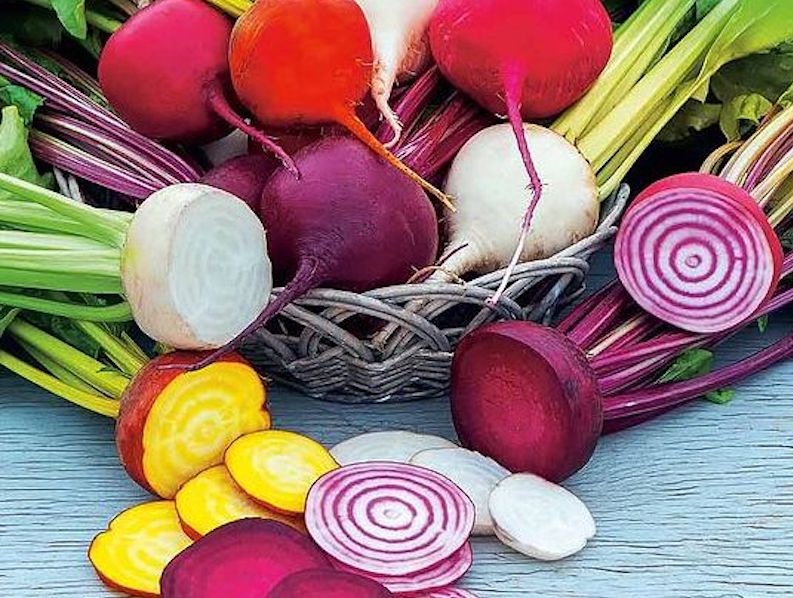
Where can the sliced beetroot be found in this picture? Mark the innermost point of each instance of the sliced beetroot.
(450, 592)
(242, 559)
(525, 396)
(439, 575)
(697, 252)
(328, 584)
(388, 518)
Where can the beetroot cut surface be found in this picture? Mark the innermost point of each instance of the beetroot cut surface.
(328, 584)
(440, 575)
(242, 559)
(525, 396)
(388, 518)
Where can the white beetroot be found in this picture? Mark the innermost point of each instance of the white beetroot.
(475, 474)
(194, 266)
(192, 261)
(390, 445)
(401, 48)
(489, 183)
(539, 518)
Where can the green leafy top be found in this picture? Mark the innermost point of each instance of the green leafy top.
(15, 157)
(25, 100)
(692, 364)
(71, 14)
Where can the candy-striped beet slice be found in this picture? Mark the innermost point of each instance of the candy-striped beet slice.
(697, 252)
(388, 518)
(440, 575)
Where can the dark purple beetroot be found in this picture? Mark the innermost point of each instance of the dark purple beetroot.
(243, 176)
(242, 559)
(328, 584)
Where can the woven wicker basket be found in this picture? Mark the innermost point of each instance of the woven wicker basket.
(371, 347)
(368, 347)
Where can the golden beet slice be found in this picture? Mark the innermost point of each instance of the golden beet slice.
(277, 467)
(132, 553)
(213, 498)
(175, 423)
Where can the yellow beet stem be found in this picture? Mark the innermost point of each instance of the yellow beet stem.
(92, 402)
(357, 128)
(195, 417)
(213, 498)
(89, 369)
(132, 553)
(277, 467)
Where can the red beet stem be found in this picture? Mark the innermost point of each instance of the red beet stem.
(220, 105)
(584, 308)
(513, 87)
(634, 404)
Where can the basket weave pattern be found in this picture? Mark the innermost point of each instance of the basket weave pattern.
(316, 346)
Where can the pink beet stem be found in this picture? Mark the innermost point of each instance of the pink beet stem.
(513, 88)
(633, 404)
(220, 105)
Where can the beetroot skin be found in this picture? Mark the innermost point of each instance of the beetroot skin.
(157, 75)
(243, 176)
(363, 224)
(243, 559)
(328, 584)
(524, 395)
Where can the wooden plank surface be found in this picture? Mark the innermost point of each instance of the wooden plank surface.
(698, 504)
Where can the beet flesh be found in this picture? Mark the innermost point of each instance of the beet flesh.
(328, 584)
(524, 395)
(243, 559)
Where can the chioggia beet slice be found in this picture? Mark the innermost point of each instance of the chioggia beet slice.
(388, 518)
(440, 575)
(697, 252)
(242, 559)
(450, 592)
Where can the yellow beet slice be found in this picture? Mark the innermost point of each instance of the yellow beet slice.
(277, 467)
(174, 423)
(213, 498)
(132, 553)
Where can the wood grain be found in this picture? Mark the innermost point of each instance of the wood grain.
(698, 504)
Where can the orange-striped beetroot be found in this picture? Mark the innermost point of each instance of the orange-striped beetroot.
(307, 63)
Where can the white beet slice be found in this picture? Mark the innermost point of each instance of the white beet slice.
(394, 445)
(194, 267)
(475, 474)
(538, 518)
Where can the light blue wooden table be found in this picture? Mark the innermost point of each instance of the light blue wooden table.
(698, 504)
